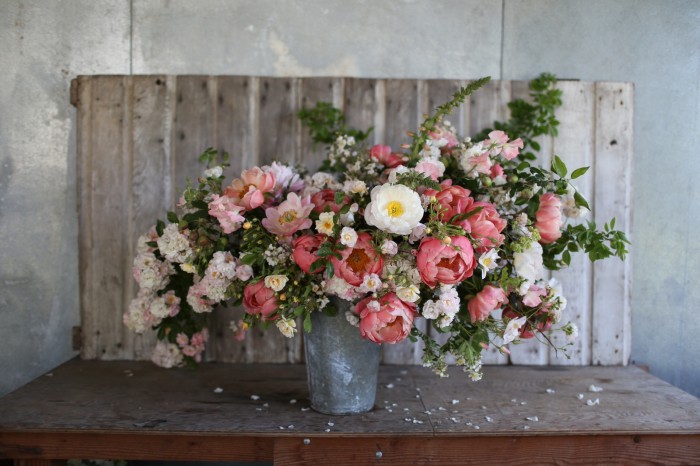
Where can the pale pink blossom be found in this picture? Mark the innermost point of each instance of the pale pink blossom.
(431, 167)
(289, 217)
(249, 190)
(227, 212)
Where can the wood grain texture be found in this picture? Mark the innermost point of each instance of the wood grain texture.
(120, 409)
(576, 147)
(138, 142)
(614, 145)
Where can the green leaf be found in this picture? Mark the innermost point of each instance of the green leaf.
(612, 223)
(339, 197)
(578, 172)
(581, 201)
(172, 217)
(307, 323)
(535, 145)
(566, 257)
(558, 166)
(160, 226)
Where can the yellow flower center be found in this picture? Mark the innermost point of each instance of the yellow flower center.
(288, 217)
(394, 209)
(488, 262)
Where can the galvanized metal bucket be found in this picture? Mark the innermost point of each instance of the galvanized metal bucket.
(342, 367)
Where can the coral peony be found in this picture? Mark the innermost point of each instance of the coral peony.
(485, 302)
(259, 299)
(448, 264)
(386, 320)
(358, 261)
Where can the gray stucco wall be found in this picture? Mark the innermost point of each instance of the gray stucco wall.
(653, 43)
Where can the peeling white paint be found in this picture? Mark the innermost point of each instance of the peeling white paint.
(288, 65)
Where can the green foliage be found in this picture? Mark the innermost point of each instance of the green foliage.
(326, 122)
(420, 138)
(528, 120)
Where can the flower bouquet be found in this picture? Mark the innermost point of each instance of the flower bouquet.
(456, 231)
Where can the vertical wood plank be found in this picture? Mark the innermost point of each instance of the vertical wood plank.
(110, 189)
(233, 136)
(278, 119)
(150, 192)
(276, 139)
(192, 130)
(361, 106)
(534, 351)
(575, 146)
(404, 112)
(312, 91)
(486, 105)
(611, 278)
(85, 155)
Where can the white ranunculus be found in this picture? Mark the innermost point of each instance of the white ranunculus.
(276, 282)
(394, 208)
(528, 264)
(409, 293)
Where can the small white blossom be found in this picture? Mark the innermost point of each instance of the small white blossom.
(410, 293)
(287, 327)
(276, 282)
(213, 172)
(325, 223)
(348, 237)
(389, 247)
(513, 329)
(488, 262)
(370, 283)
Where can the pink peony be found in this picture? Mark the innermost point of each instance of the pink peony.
(326, 198)
(485, 226)
(454, 200)
(259, 299)
(448, 264)
(387, 320)
(289, 217)
(485, 302)
(382, 154)
(225, 210)
(249, 190)
(548, 217)
(304, 252)
(358, 261)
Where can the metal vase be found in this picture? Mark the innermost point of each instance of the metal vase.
(342, 367)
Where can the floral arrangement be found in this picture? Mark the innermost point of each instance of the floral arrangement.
(449, 230)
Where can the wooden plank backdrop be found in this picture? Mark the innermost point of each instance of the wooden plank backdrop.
(139, 138)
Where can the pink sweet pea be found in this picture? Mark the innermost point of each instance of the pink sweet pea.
(304, 252)
(289, 217)
(358, 261)
(431, 167)
(548, 217)
(249, 190)
(441, 133)
(533, 297)
(499, 139)
(447, 264)
(385, 320)
(382, 154)
(227, 212)
(259, 299)
(485, 226)
(485, 302)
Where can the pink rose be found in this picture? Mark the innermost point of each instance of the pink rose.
(358, 261)
(227, 212)
(485, 302)
(248, 191)
(485, 226)
(382, 154)
(289, 217)
(548, 218)
(259, 299)
(453, 199)
(304, 252)
(386, 320)
(448, 264)
(326, 198)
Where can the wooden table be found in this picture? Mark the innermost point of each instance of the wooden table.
(221, 412)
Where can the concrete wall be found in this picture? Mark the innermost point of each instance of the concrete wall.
(654, 44)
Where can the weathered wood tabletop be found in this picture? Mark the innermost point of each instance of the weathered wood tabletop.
(515, 415)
